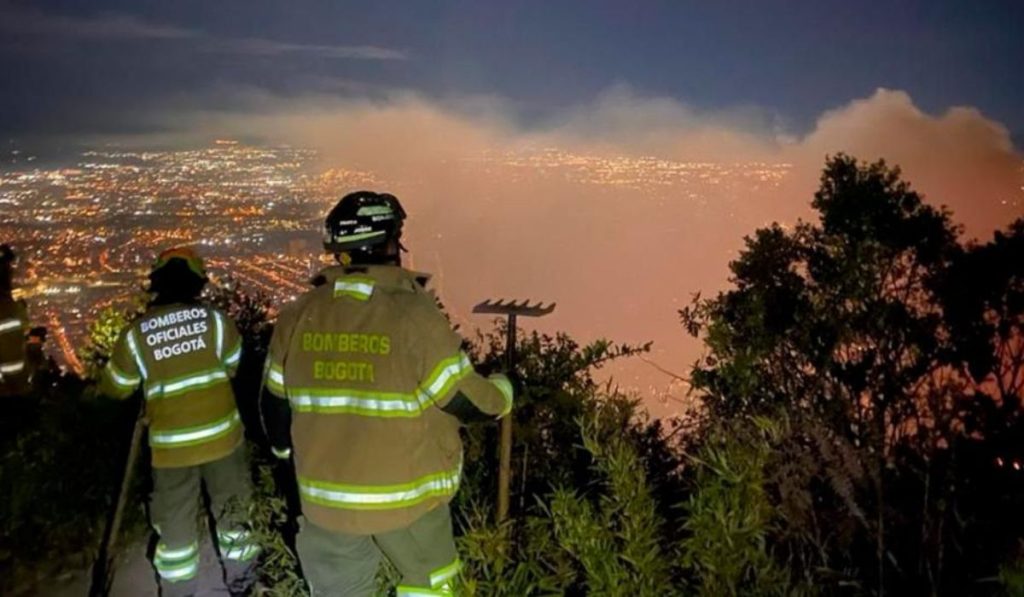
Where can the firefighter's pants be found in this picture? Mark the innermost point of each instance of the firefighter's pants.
(342, 565)
(174, 509)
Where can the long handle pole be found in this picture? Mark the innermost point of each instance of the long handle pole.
(505, 450)
(103, 572)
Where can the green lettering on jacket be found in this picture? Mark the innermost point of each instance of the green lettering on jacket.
(345, 342)
(343, 371)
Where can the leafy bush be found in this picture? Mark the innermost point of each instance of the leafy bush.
(731, 517)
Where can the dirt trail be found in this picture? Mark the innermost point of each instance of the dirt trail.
(135, 577)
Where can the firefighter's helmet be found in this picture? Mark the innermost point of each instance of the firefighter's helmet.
(183, 255)
(363, 221)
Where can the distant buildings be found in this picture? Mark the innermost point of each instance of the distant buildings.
(87, 232)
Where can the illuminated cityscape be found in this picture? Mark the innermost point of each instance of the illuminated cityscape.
(88, 232)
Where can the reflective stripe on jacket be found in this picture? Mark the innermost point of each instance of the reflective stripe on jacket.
(367, 361)
(184, 357)
(14, 370)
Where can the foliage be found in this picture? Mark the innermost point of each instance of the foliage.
(730, 516)
(861, 431)
(556, 386)
(515, 558)
(271, 526)
(1011, 574)
(61, 460)
(103, 334)
(873, 330)
(605, 538)
(616, 538)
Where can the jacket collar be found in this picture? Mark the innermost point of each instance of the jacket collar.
(364, 279)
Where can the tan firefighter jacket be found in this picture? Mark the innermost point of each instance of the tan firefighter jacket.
(14, 370)
(184, 355)
(367, 361)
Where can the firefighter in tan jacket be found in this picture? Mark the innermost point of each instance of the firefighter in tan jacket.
(184, 354)
(368, 385)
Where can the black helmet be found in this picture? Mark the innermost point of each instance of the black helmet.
(363, 220)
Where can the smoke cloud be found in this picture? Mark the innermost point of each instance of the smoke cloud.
(620, 209)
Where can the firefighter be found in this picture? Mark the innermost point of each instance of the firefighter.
(184, 353)
(367, 385)
(14, 369)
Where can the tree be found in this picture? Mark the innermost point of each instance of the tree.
(845, 325)
(103, 334)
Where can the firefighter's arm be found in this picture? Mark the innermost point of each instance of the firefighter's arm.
(478, 398)
(450, 380)
(230, 343)
(122, 375)
(274, 406)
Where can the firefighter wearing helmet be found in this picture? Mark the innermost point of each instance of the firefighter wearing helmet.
(367, 386)
(183, 354)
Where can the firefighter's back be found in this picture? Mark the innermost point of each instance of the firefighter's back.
(186, 354)
(371, 452)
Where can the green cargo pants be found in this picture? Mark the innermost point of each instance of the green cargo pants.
(174, 510)
(342, 565)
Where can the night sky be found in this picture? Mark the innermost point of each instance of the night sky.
(417, 92)
(106, 66)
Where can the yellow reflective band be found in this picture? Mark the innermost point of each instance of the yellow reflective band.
(8, 325)
(163, 553)
(446, 374)
(380, 497)
(442, 575)
(231, 537)
(12, 367)
(190, 383)
(407, 591)
(355, 287)
(177, 564)
(235, 356)
(275, 380)
(137, 354)
(185, 571)
(219, 324)
(120, 378)
(190, 436)
(357, 402)
(240, 554)
(378, 404)
(505, 387)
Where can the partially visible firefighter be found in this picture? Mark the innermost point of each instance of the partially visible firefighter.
(368, 385)
(39, 363)
(183, 354)
(15, 373)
